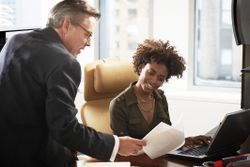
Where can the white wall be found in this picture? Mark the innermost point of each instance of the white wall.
(201, 109)
(199, 113)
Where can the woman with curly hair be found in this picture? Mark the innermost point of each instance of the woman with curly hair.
(142, 106)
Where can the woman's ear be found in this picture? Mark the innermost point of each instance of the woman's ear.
(140, 67)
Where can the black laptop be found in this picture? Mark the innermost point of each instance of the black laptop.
(226, 140)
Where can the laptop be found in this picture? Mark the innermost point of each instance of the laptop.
(226, 139)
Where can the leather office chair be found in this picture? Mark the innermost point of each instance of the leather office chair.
(103, 80)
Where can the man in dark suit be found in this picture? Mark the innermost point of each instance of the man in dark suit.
(39, 77)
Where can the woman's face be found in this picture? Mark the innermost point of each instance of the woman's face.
(152, 76)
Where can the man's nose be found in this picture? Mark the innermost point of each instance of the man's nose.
(88, 43)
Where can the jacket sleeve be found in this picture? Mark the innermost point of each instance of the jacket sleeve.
(62, 85)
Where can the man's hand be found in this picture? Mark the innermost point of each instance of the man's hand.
(129, 146)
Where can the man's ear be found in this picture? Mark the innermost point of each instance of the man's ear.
(66, 25)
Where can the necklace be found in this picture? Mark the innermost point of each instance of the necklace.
(146, 104)
(147, 109)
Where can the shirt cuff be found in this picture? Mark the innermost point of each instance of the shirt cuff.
(115, 149)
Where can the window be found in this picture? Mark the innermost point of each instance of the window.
(132, 45)
(117, 13)
(123, 25)
(217, 58)
(14, 13)
(117, 29)
(15, 18)
(132, 13)
(133, 1)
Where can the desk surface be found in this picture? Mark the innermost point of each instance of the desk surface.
(144, 161)
(164, 161)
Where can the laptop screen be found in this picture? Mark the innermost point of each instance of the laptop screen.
(231, 133)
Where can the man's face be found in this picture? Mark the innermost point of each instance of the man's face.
(79, 36)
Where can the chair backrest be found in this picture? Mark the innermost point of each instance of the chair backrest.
(103, 80)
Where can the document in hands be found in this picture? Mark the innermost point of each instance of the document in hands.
(161, 140)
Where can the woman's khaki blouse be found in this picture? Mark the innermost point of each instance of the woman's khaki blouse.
(127, 119)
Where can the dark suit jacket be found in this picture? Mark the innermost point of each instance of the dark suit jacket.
(38, 84)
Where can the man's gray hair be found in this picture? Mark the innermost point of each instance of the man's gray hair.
(72, 9)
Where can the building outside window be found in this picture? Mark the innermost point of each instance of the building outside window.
(132, 13)
(217, 58)
(120, 33)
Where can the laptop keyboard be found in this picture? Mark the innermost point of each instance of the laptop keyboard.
(196, 151)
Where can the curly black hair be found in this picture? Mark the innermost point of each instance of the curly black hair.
(161, 53)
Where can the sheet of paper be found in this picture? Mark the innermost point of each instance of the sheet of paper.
(161, 140)
(102, 164)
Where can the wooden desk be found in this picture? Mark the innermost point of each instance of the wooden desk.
(144, 161)
(164, 161)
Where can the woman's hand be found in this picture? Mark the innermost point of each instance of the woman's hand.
(197, 140)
